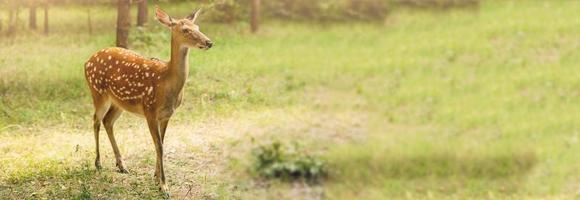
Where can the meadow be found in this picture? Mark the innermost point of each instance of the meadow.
(456, 104)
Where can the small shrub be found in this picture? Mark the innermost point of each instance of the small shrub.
(285, 162)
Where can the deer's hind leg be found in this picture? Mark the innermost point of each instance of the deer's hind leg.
(112, 115)
(101, 105)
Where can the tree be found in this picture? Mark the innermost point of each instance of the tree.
(255, 21)
(13, 17)
(88, 4)
(123, 22)
(32, 14)
(89, 21)
(46, 2)
(142, 13)
(1, 23)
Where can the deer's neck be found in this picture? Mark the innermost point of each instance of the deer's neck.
(178, 67)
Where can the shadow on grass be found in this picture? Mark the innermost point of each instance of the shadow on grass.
(367, 172)
(446, 165)
(54, 179)
(434, 165)
(428, 160)
(47, 179)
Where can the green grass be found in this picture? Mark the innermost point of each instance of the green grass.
(456, 104)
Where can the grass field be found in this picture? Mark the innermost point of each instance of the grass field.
(428, 104)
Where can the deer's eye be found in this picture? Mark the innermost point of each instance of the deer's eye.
(185, 30)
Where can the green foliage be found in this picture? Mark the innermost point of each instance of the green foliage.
(227, 11)
(141, 38)
(321, 10)
(305, 9)
(367, 9)
(286, 162)
(438, 3)
(346, 10)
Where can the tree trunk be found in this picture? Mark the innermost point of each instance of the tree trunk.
(13, 19)
(32, 16)
(89, 21)
(11, 22)
(1, 23)
(255, 21)
(17, 16)
(46, 18)
(123, 23)
(142, 13)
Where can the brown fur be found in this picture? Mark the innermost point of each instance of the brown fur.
(121, 80)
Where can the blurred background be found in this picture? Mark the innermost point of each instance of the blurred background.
(304, 99)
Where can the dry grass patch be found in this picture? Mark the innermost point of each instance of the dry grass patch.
(205, 159)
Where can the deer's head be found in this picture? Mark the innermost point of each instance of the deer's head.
(185, 31)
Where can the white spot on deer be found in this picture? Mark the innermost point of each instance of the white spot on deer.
(149, 90)
(146, 74)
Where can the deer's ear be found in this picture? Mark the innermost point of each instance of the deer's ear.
(193, 15)
(163, 17)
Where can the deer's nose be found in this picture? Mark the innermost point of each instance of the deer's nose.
(209, 44)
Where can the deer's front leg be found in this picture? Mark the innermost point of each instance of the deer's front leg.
(159, 173)
(96, 127)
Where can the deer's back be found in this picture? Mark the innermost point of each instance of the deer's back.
(123, 74)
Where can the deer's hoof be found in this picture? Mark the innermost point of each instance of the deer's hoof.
(123, 170)
(98, 165)
(163, 188)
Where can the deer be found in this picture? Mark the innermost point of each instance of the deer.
(121, 80)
